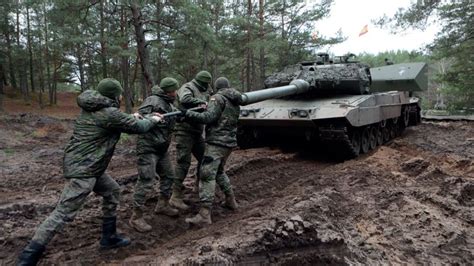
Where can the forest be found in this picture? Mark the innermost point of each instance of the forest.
(53, 45)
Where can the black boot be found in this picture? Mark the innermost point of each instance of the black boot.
(110, 238)
(31, 254)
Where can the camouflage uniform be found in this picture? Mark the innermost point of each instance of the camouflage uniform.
(189, 135)
(87, 155)
(152, 149)
(221, 118)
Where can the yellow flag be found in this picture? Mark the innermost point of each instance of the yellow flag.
(364, 30)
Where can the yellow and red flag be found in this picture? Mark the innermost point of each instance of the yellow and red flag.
(364, 30)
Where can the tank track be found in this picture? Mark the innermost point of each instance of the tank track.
(347, 142)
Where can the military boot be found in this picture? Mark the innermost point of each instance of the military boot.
(163, 207)
(176, 200)
(202, 218)
(230, 201)
(137, 221)
(110, 238)
(31, 254)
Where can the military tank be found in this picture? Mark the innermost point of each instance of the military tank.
(337, 103)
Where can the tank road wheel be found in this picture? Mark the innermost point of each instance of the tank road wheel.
(365, 140)
(394, 128)
(372, 137)
(355, 140)
(385, 132)
(405, 117)
(246, 138)
(379, 135)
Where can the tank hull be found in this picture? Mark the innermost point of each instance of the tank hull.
(335, 121)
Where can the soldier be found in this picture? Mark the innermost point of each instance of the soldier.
(189, 135)
(221, 119)
(86, 156)
(153, 157)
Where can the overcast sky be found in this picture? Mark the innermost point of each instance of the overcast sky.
(352, 15)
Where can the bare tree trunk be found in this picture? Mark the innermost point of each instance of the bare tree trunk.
(9, 54)
(80, 66)
(249, 51)
(205, 55)
(159, 63)
(30, 48)
(103, 41)
(262, 48)
(124, 63)
(216, 32)
(21, 62)
(46, 49)
(141, 46)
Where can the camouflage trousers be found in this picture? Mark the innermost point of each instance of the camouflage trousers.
(185, 145)
(212, 172)
(72, 198)
(151, 165)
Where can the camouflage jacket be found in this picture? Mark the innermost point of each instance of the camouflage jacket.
(221, 118)
(158, 139)
(96, 132)
(191, 95)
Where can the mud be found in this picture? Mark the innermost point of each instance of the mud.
(410, 201)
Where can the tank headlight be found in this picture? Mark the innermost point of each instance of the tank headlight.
(244, 112)
(302, 113)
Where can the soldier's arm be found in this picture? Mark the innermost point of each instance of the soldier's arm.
(187, 99)
(212, 113)
(114, 119)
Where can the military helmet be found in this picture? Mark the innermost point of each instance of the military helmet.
(221, 83)
(110, 88)
(169, 84)
(204, 77)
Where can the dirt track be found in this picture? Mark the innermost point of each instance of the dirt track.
(410, 201)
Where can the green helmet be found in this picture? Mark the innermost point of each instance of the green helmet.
(221, 83)
(169, 84)
(110, 88)
(204, 77)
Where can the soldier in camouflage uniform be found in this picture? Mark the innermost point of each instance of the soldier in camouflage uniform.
(86, 156)
(153, 157)
(221, 118)
(189, 135)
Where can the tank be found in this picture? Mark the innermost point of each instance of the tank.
(338, 103)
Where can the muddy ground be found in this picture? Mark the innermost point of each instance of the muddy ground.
(409, 201)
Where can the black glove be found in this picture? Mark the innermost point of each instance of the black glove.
(183, 112)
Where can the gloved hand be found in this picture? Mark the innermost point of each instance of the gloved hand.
(157, 117)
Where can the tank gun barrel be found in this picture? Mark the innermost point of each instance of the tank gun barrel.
(297, 86)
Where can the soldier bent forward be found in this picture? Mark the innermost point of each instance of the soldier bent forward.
(86, 157)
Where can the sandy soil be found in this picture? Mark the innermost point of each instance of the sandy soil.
(410, 201)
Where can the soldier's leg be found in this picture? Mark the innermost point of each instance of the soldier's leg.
(72, 198)
(207, 186)
(184, 146)
(146, 178)
(147, 164)
(210, 166)
(109, 189)
(221, 177)
(198, 152)
(165, 170)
